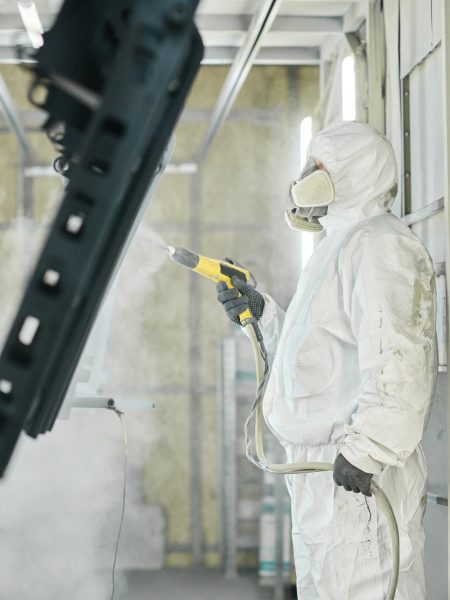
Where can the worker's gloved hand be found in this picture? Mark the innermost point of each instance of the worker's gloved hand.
(237, 299)
(350, 477)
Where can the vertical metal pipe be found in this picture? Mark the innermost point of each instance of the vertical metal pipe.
(195, 405)
(279, 537)
(12, 118)
(228, 414)
(20, 185)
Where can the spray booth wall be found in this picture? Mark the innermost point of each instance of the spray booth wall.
(61, 498)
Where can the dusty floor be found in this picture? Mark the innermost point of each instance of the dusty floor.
(193, 584)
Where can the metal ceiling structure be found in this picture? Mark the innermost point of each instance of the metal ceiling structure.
(239, 33)
(296, 35)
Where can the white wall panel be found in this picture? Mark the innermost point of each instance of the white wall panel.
(416, 35)
(393, 98)
(420, 33)
(426, 127)
(436, 20)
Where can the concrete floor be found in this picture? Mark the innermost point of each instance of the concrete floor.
(193, 584)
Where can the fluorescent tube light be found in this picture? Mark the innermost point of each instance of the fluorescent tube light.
(32, 22)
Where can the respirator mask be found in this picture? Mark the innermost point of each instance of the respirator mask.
(309, 198)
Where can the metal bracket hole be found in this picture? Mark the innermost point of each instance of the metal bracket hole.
(5, 387)
(29, 330)
(51, 278)
(74, 224)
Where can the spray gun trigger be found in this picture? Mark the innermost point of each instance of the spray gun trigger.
(251, 280)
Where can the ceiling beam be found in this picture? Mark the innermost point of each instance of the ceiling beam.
(288, 7)
(13, 37)
(9, 56)
(283, 23)
(13, 21)
(224, 55)
(216, 30)
(229, 30)
(355, 17)
(266, 56)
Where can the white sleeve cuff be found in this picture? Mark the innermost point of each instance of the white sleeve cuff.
(362, 461)
(270, 312)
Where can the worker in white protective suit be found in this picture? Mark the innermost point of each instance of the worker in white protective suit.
(353, 371)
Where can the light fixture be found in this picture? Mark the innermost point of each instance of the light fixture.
(32, 22)
(348, 88)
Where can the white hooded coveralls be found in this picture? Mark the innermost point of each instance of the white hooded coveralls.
(354, 371)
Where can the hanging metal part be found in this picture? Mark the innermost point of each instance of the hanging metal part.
(240, 69)
(9, 110)
(117, 151)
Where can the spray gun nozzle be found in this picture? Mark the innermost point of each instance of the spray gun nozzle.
(183, 257)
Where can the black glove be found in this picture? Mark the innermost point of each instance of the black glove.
(352, 478)
(237, 299)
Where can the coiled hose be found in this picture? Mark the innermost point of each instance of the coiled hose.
(258, 457)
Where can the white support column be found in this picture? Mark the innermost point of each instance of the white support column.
(228, 420)
(376, 67)
(446, 149)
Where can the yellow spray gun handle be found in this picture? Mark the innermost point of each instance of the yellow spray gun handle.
(220, 270)
(217, 270)
(246, 315)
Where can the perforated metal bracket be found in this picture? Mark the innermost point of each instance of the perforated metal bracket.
(145, 56)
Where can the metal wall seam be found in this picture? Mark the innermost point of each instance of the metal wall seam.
(228, 416)
(376, 72)
(406, 156)
(195, 404)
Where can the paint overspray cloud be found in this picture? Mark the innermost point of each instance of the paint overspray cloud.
(61, 496)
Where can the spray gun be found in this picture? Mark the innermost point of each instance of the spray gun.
(217, 270)
(223, 271)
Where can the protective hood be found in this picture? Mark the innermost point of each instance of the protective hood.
(363, 169)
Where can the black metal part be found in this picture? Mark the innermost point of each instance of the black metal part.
(118, 89)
